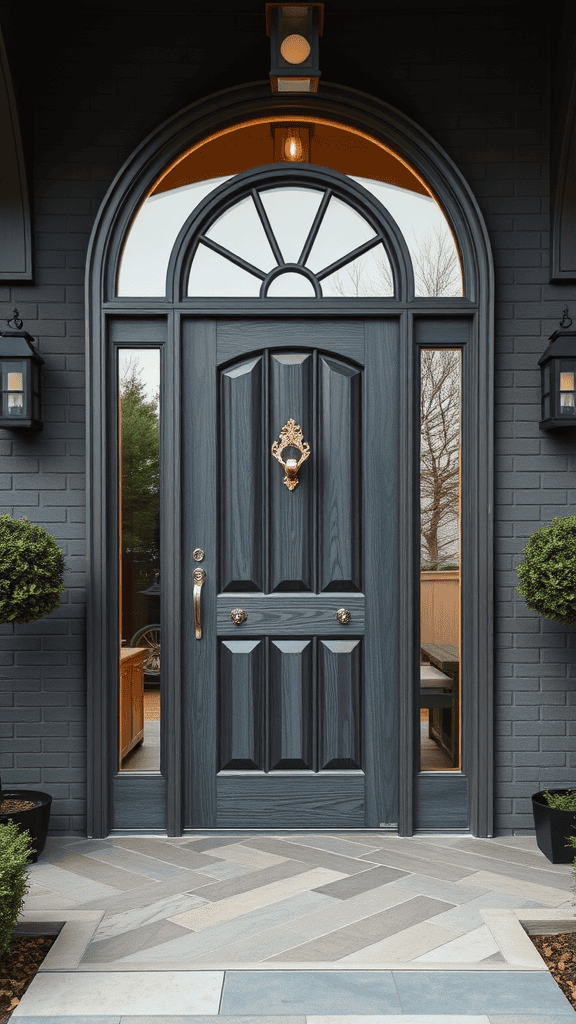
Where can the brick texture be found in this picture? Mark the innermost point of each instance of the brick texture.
(478, 83)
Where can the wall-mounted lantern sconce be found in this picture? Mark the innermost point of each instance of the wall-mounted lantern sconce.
(294, 30)
(291, 142)
(20, 375)
(558, 378)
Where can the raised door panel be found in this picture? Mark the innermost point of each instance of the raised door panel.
(339, 695)
(241, 484)
(291, 704)
(242, 705)
(291, 513)
(339, 492)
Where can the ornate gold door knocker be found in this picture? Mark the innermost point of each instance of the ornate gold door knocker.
(291, 437)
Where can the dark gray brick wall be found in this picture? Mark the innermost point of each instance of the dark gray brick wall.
(478, 82)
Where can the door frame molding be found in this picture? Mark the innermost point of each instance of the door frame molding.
(134, 180)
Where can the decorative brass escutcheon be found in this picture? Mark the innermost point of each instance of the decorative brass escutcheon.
(291, 437)
(198, 555)
(238, 616)
(343, 615)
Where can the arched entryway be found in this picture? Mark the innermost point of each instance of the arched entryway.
(290, 717)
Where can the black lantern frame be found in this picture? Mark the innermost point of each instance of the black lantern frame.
(294, 30)
(558, 379)
(20, 365)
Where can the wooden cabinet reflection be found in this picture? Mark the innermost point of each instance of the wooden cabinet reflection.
(131, 698)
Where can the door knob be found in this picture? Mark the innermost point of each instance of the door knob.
(199, 577)
(343, 615)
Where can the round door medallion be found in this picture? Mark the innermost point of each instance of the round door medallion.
(343, 615)
(238, 616)
(198, 555)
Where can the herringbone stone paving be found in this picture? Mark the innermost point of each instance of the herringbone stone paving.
(359, 899)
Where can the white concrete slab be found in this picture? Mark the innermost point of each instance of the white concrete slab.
(122, 992)
(72, 942)
(527, 890)
(469, 948)
(405, 1018)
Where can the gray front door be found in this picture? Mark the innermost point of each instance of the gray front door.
(290, 716)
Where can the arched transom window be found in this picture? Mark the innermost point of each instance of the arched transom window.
(294, 239)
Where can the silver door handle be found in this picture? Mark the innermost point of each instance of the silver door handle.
(199, 577)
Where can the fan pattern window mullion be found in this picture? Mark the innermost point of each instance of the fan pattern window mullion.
(248, 226)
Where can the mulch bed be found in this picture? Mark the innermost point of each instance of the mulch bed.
(559, 954)
(18, 967)
(12, 806)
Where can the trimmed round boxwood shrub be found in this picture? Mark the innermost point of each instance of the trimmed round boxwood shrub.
(548, 572)
(31, 571)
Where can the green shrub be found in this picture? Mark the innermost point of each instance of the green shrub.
(548, 572)
(15, 850)
(560, 801)
(31, 571)
(572, 842)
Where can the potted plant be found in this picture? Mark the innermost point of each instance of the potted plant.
(555, 823)
(548, 585)
(31, 571)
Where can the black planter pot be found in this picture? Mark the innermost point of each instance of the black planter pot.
(35, 820)
(552, 828)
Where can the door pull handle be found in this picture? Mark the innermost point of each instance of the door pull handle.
(199, 577)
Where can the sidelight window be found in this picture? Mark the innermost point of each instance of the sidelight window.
(440, 582)
(139, 559)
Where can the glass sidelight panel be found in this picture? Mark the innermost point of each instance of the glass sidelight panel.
(139, 559)
(440, 583)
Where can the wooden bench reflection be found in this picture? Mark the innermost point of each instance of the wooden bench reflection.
(439, 691)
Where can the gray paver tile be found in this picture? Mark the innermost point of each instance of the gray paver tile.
(116, 1019)
(141, 865)
(180, 856)
(368, 930)
(520, 992)
(300, 1019)
(96, 871)
(483, 858)
(345, 888)
(334, 844)
(232, 887)
(309, 992)
(69, 884)
(195, 944)
(467, 916)
(435, 867)
(150, 891)
(449, 891)
(223, 870)
(522, 1018)
(211, 843)
(117, 924)
(484, 848)
(135, 940)
(319, 858)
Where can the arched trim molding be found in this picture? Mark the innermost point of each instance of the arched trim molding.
(133, 182)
